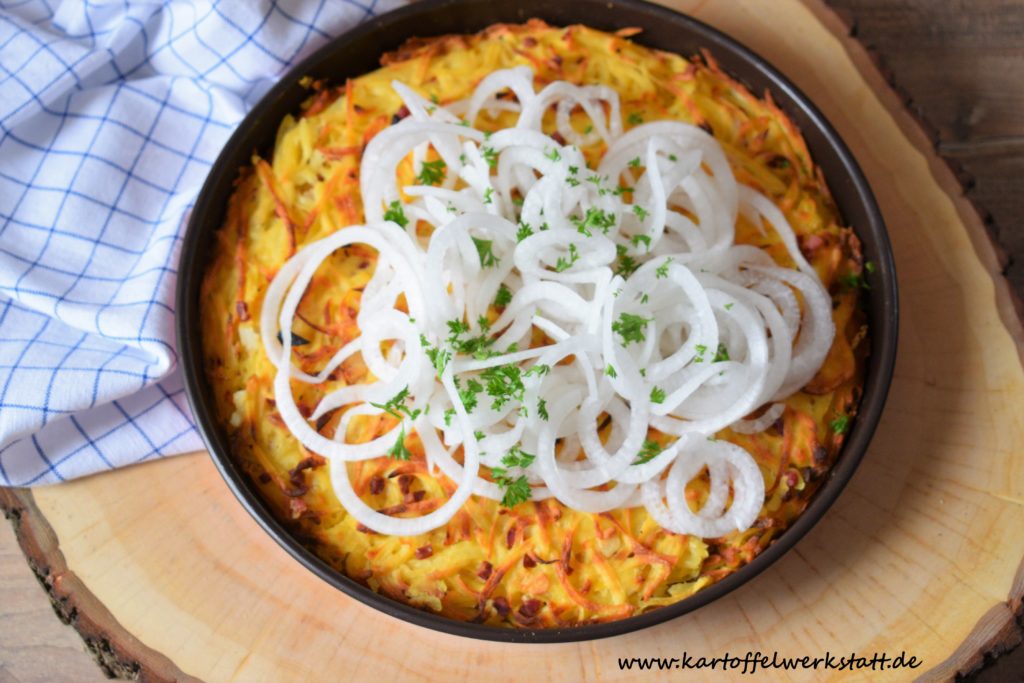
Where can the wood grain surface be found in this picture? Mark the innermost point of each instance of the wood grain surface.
(922, 553)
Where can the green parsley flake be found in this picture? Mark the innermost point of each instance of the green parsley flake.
(631, 328)
(542, 409)
(432, 172)
(721, 354)
(635, 119)
(523, 232)
(657, 395)
(650, 450)
(641, 213)
(840, 424)
(485, 250)
(490, 156)
(634, 162)
(504, 296)
(562, 264)
(662, 270)
(396, 214)
(399, 451)
(553, 155)
(595, 218)
(610, 371)
(489, 195)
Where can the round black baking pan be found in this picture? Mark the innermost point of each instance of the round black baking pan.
(358, 52)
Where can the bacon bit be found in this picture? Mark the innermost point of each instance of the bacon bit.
(501, 606)
(528, 561)
(707, 127)
(820, 455)
(376, 484)
(364, 529)
(405, 482)
(484, 572)
(809, 244)
(298, 480)
(297, 506)
(510, 537)
(415, 496)
(527, 612)
(394, 509)
(424, 552)
(264, 478)
(557, 137)
(402, 112)
(243, 310)
(530, 41)
(322, 421)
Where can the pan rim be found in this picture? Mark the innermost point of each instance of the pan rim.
(883, 299)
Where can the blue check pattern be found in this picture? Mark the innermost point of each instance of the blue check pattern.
(111, 114)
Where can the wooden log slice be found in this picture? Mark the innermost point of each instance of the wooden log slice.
(167, 578)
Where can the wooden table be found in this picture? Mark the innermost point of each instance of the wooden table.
(961, 71)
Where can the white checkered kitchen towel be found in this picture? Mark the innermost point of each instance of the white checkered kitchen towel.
(111, 113)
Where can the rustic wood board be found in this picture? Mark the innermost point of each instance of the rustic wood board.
(168, 578)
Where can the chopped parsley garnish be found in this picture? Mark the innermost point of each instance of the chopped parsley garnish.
(396, 406)
(539, 369)
(610, 371)
(634, 162)
(634, 119)
(657, 395)
(468, 396)
(637, 240)
(595, 218)
(485, 250)
(589, 129)
(631, 328)
(870, 266)
(448, 415)
(572, 182)
(523, 232)
(644, 299)
(641, 212)
(504, 296)
(574, 170)
(701, 349)
(516, 490)
(673, 157)
(490, 156)
(489, 195)
(553, 155)
(396, 214)
(662, 270)
(542, 409)
(649, 451)
(438, 357)
(721, 354)
(475, 346)
(503, 383)
(432, 172)
(399, 451)
(623, 190)
(563, 264)
(626, 265)
(840, 424)
(728, 306)
(853, 281)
